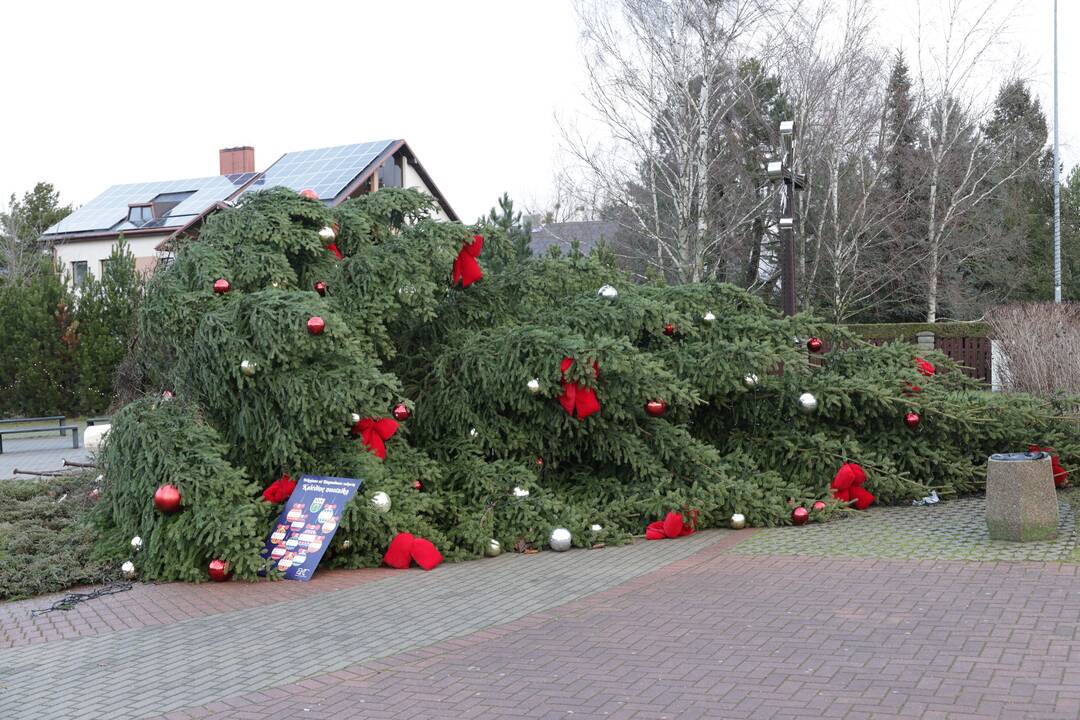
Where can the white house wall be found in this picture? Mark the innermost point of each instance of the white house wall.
(94, 251)
(411, 179)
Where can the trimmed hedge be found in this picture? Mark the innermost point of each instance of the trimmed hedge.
(908, 331)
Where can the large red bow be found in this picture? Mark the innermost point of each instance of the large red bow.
(375, 432)
(405, 548)
(924, 367)
(576, 396)
(847, 486)
(332, 247)
(466, 269)
(1061, 475)
(279, 490)
(672, 526)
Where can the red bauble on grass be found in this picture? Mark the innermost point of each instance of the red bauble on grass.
(218, 570)
(316, 325)
(813, 344)
(656, 408)
(800, 515)
(401, 412)
(912, 420)
(167, 499)
(222, 286)
(320, 287)
(669, 329)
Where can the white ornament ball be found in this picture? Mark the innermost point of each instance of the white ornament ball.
(380, 501)
(473, 433)
(354, 418)
(596, 528)
(136, 543)
(534, 385)
(248, 367)
(327, 234)
(494, 547)
(521, 492)
(708, 317)
(346, 544)
(560, 538)
(128, 569)
(738, 521)
(94, 436)
(808, 403)
(607, 291)
(750, 380)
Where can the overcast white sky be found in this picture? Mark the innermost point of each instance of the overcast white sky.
(97, 94)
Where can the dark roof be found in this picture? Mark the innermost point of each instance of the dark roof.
(588, 234)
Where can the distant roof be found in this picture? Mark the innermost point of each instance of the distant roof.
(108, 212)
(588, 234)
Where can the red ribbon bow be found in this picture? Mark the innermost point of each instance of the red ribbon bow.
(375, 432)
(332, 247)
(405, 548)
(672, 526)
(847, 486)
(924, 367)
(466, 269)
(1061, 475)
(577, 396)
(279, 490)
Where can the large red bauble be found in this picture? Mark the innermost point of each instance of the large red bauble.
(167, 499)
(819, 505)
(218, 570)
(912, 419)
(417, 485)
(800, 515)
(669, 329)
(315, 325)
(221, 286)
(320, 287)
(401, 412)
(655, 408)
(813, 344)
(309, 194)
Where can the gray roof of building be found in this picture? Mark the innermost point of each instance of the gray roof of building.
(587, 233)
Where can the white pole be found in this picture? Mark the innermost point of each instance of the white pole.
(1057, 180)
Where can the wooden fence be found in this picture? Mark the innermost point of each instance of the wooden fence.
(973, 353)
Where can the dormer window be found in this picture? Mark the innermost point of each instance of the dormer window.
(139, 215)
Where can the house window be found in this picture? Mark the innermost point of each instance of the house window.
(104, 266)
(78, 273)
(139, 215)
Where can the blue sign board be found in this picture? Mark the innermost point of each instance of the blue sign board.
(307, 524)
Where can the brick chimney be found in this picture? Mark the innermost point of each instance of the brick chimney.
(237, 160)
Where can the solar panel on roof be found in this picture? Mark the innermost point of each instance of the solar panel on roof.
(327, 171)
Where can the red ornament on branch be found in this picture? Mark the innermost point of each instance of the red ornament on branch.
(669, 329)
(375, 432)
(316, 325)
(279, 490)
(847, 486)
(309, 194)
(222, 286)
(577, 397)
(656, 408)
(320, 287)
(924, 367)
(912, 420)
(218, 570)
(401, 412)
(417, 485)
(800, 515)
(167, 499)
(466, 270)
(819, 505)
(813, 345)
(332, 247)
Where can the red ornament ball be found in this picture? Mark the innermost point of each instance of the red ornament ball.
(813, 344)
(669, 329)
(222, 286)
(401, 412)
(539, 463)
(309, 194)
(218, 570)
(656, 408)
(800, 515)
(819, 505)
(912, 420)
(167, 499)
(417, 485)
(320, 287)
(315, 325)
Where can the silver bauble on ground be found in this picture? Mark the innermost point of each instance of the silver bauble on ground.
(494, 547)
(534, 385)
(136, 543)
(380, 501)
(559, 540)
(248, 367)
(327, 234)
(128, 569)
(807, 403)
(607, 291)
(750, 380)
(738, 521)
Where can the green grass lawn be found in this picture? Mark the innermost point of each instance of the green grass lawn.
(46, 537)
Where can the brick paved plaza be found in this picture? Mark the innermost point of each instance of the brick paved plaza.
(702, 626)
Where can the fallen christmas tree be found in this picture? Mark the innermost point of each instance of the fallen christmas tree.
(369, 341)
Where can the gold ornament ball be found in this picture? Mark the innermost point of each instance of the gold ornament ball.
(128, 569)
(738, 521)
(494, 547)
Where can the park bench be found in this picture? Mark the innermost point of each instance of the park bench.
(60, 420)
(19, 431)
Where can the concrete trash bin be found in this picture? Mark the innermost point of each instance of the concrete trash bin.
(1021, 503)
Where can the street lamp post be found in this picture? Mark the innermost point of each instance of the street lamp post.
(784, 170)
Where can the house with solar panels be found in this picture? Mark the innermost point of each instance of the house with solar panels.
(151, 216)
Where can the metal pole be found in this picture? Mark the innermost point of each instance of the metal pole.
(787, 236)
(1057, 173)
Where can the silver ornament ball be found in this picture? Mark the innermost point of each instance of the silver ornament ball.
(750, 380)
(596, 528)
(473, 433)
(346, 544)
(738, 521)
(136, 543)
(327, 234)
(607, 291)
(534, 385)
(521, 492)
(559, 540)
(807, 403)
(248, 367)
(494, 547)
(128, 569)
(354, 418)
(380, 501)
(708, 317)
